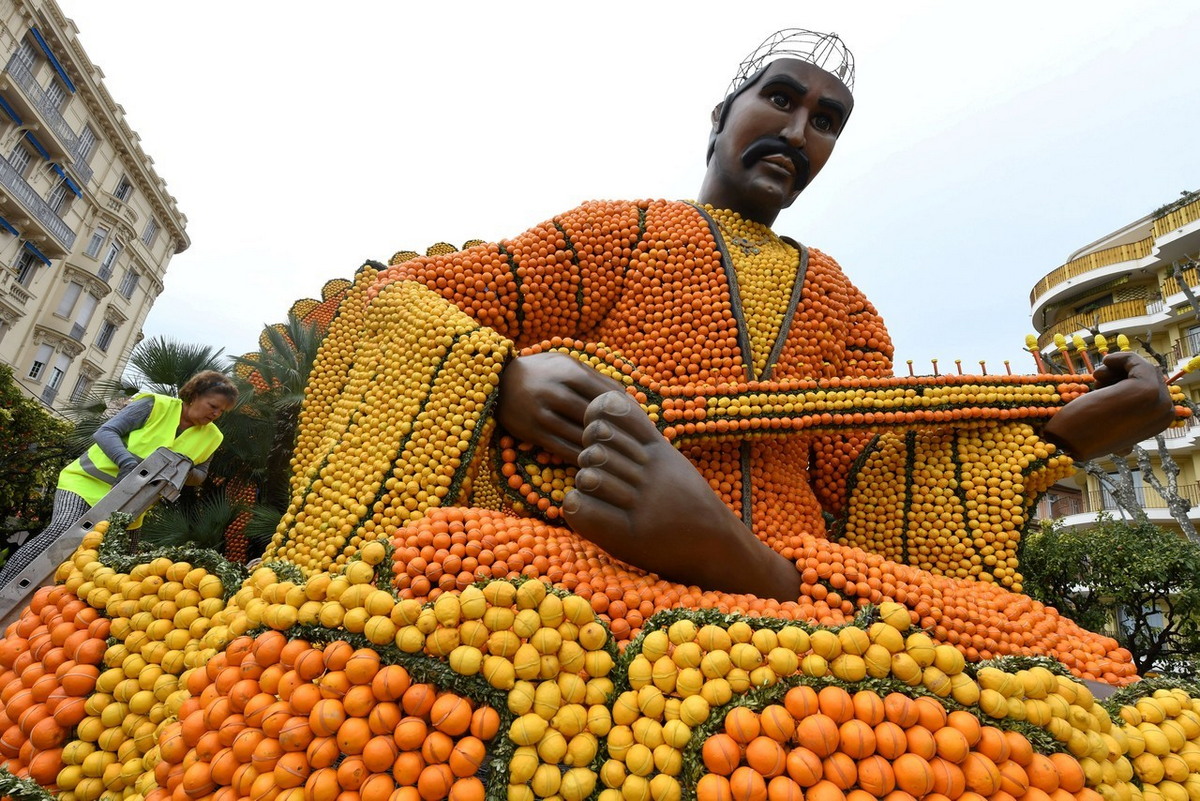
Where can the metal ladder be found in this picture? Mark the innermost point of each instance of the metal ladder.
(160, 475)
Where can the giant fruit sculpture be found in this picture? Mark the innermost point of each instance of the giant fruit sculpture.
(399, 644)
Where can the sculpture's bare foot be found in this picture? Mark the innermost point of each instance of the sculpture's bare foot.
(641, 500)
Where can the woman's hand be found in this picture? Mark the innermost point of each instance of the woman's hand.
(1130, 403)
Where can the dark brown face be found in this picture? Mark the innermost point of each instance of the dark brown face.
(776, 137)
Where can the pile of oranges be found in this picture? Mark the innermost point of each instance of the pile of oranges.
(271, 717)
(510, 688)
(832, 745)
(49, 659)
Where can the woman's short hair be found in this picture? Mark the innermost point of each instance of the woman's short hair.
(208, 381)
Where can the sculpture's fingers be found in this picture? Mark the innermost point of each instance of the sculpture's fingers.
(603, 485)
(624, 413)
(604, 456)
(599, 521)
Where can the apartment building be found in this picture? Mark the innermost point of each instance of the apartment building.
(87, 227)
(1143, 281)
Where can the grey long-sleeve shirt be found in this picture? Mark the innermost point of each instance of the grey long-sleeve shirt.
(112, 435)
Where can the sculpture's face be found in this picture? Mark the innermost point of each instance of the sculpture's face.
(777, 135)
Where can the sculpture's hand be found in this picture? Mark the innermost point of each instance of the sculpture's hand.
(1130, 402)
(544, 397)
(641, 500)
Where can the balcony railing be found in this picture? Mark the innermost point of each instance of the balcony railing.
(1147, 498)
(42, 102)
(1092, 261)
(48, 394)
(106, 271)
(49, 112)
(77, 332)
(1180, 431)
(1177, 219)
(15, 183)
(1187, 347)
(1105, 314)
(115, 203)
(1170, 285)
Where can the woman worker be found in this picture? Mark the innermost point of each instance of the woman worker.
(185, 425)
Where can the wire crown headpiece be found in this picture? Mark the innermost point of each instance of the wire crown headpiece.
(824, 50)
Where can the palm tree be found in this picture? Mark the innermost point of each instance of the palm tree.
(158, 365)
(279, 375)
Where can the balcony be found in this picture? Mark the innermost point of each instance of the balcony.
(53, 236)
(32, 101)
(1177, 218)
(122, 208)
(48, 394)
(1122, 310)
(1171, 285)
(1147, 498)
(77, 332)
(55, 134)
(1092, 261)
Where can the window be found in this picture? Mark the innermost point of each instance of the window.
(59, 198)
(151, 233)
(19, 158)
(104, 338)
(26, 55)
(106, 266)
(56, 93)
(84, 318)
(26, 266)
(61, 364)
(67, 305)
(83, 385)
(39, 361)
(87, 141)
(98, 237)
(123, 190)
(129, 283)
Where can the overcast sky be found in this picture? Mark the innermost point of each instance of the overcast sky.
(988, 142)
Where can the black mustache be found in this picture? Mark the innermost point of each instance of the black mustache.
(771, 146)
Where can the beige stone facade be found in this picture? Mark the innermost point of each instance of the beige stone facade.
(1140, 281)
(87, 227)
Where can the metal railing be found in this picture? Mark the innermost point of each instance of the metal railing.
(42, 102)
(35, 204)
(54, 118)
(1187, 347)
(48, 394)
(77, 332)
(1147, 498)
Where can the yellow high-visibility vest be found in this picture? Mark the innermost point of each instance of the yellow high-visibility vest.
(93, 474)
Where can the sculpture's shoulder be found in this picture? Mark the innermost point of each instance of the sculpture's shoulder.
(825, 271)
(621, 211)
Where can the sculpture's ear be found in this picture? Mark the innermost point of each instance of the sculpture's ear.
(716, 114)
